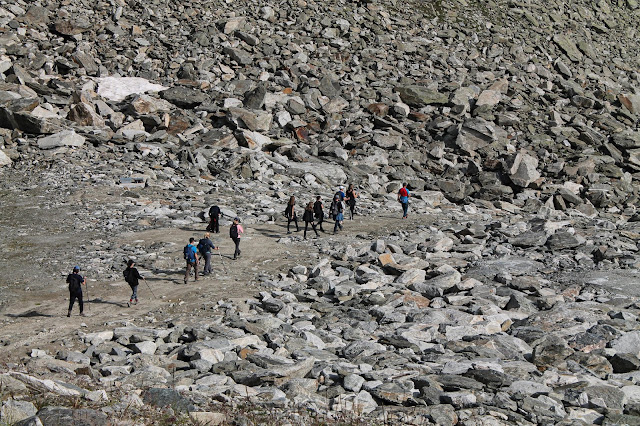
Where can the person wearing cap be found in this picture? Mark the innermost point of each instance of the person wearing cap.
(131, 276)
(341, 193)
(75, 281)
(234, 233)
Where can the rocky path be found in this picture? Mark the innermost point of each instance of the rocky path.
(38, 319)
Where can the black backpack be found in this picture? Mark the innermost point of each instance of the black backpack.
(127, 274)
(233, 231)
(214, 211)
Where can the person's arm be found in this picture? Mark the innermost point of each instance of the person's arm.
(138, 276)
(84, 281)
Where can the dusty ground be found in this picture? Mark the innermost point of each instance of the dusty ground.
(37, 318)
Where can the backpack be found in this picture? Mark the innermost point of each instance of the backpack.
(203, 247)
(127, 274)
(214, 211)
(188, 254)
(335, 208)
(233, 231)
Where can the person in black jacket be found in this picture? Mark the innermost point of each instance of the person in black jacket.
(204, 247)
(131, 276)
(319, 212)
(350, 198)
(308, 219)
(214, 220)
(290, 214)
(235, 232)
(75, 281)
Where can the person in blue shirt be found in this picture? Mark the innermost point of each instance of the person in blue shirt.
(403, 198)
(341, 193)
(191, 256)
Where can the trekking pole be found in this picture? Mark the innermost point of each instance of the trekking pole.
(145, 281)
(222, 261)
(86, 284)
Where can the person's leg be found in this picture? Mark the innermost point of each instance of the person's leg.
(134, 293)
(289, 219)
(405, 209)
(72, 298)
(335, 227)
(216, 225)
(295, 218)
(313, 225)
(79, 295)
(306, 226)
(352, 209)
(186, 272)
(196, 266)
(236, 241)
(320, 220)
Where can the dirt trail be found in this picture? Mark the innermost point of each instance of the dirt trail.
(39, 319)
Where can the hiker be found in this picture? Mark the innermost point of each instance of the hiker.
(403, 198)
(131, 276)
(214, 220)
(341, 193)
(234, 233)
(337, 209)
(76, 281)
(308, 219)
(318, 212)
(290, 214)
(191, 256)
(350, 198)
(204, 247)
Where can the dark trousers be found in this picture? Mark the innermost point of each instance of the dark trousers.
(214, 225)
(190, 265)
(236, 241)
(292, 219)
(352, 209)
(306, 226)
(134, 292)
(319, 220)
(207, 263)
(72, 299)
(337, 225)
(405, 209)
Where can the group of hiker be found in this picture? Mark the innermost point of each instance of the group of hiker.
(313, 215)
(314, 211)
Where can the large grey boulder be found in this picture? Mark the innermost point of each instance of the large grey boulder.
(64, 138)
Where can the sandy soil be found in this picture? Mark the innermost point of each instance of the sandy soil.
(37, 318)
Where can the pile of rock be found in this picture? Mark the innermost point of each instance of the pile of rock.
(421, 321)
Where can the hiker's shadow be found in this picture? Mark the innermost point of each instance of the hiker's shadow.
(105, 302)
(30, 314)
(269, 232)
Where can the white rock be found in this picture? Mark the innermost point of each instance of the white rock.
(118, 88)
(146, 347)
(212, 355)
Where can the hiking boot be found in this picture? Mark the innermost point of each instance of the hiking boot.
(129, 304)
(82, 314)
(135, 302)
(69, 313)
